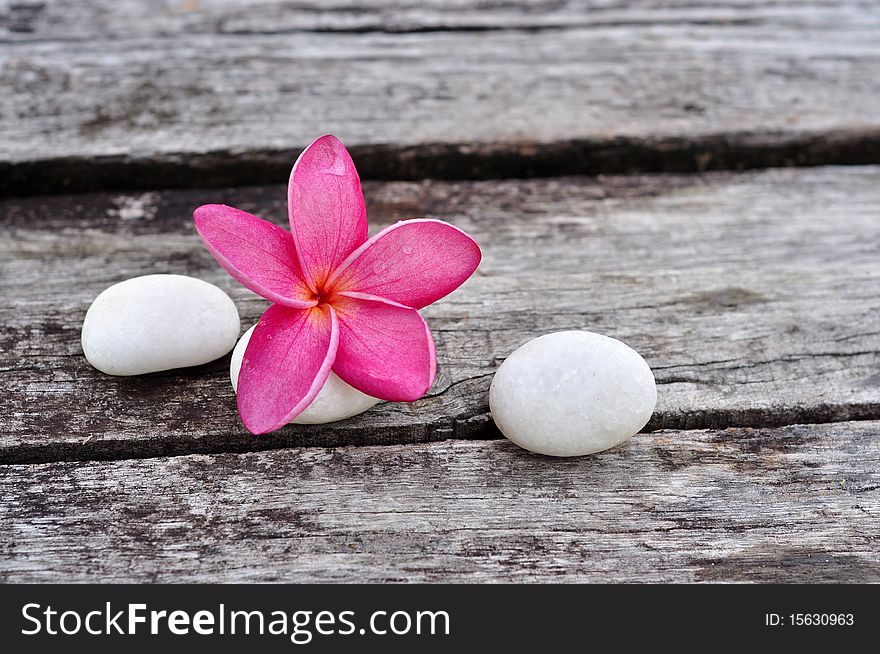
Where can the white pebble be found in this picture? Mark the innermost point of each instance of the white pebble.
(335, 401)
(572, 393)
(158, 322)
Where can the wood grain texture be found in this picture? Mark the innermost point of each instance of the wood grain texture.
(220, 95)
(794, 504)
(73, 19)
(753, 296)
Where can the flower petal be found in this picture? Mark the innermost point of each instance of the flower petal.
(414, 262)
(328, 218)
(285, 365)
(258, 254)
(385, 349)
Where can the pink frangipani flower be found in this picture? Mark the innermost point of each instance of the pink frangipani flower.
(341, 302)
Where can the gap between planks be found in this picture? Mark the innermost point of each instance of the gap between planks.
(120, 19)
(172, 448)
(448, 161)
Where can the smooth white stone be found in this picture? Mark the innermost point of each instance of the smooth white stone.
(572, 393)
(158, 322)
(335, 401)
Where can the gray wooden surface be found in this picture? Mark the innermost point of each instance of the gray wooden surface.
(796, 504)
(753, 295)
(73, 19)
(135, 94)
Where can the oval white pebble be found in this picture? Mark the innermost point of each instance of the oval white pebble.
(158, 322)
(572, 393)
(335, 401)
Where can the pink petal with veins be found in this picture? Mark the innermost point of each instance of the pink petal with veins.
(285, 365)
(385, 349)
(328, 219)
(415, 263)
(258, 254)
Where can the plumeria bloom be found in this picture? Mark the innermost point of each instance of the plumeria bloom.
(342, 302)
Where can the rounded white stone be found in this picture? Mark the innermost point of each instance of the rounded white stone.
(158, 322)
(335, 401)
(572, 393)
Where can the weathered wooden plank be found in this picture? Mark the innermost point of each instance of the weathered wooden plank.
(69, 19)
(170, 106)
(753, 296)
(794, 504)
